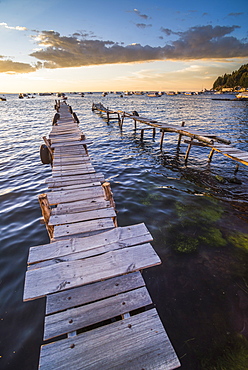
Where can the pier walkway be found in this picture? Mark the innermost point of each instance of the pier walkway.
(210, 140)
(99, 314)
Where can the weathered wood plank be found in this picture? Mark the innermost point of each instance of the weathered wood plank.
(72, 143)
(72, 195)
(76, 186)
(121, 237)
(83, 227)
(93, 292)
(88, 169)
(92, 313)
(81, 216)
(76, 166)
(64, 275)
(63, 180)
(139, 342)
(80, 206)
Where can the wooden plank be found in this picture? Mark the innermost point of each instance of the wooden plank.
(64, 275)
(73, 143)
(72, 195)
(120, 236)
(88, 169)
(63, 181)
(81, 216)
(93, 292)
(139, 342)
(76, 166)
(76, 186)
(83, 227)
(92, 313)
(80, 206)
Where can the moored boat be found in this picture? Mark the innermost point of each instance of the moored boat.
(242, 96)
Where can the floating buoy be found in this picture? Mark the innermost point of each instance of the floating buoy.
(45, 155)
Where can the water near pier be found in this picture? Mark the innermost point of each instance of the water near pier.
(197, 214)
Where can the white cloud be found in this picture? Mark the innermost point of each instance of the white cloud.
(18, 28)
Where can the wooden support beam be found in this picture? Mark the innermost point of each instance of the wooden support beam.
(211, 155)
(109, 197)
(180, 136)
(153, 132)
(161, 140)
(122, 120)
(46, 212)
(237, 168)
(188, 150)
(141, 134)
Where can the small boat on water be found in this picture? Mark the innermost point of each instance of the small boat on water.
(242, 96)
(2, 98)
(153, 95)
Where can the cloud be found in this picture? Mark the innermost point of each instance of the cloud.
(143, 25)
(8, 66)
(199, 42)
(18, 28)
(144, 16)
(234, 14)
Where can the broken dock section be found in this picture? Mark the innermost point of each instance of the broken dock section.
(99, 313)
(204, 139)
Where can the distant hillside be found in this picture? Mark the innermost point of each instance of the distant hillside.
(234, 79)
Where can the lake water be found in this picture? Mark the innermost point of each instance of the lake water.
(197, 214)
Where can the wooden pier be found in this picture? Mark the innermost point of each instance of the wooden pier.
(99, 314)
(205, 139)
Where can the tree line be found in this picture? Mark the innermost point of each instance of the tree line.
(233, 80)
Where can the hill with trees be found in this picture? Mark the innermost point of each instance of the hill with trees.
(233, 80)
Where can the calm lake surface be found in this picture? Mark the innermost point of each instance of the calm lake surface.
(197, 214)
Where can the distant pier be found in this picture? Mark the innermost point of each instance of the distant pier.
(212, 141)
(99, 314)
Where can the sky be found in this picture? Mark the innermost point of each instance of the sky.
(110, 45)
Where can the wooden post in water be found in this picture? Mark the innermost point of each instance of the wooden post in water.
(122, 120)
(180, 136)
(109, 196)
(211, 155)
(141, 134)
(188, 150)
(107, 116)
(153, 132)
(161, 140)
(46, 212)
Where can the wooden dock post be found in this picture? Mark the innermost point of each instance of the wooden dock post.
(122, 120)
(180, 136)
(188, 149)
(161, 139)
(46, 213)
(211, 155)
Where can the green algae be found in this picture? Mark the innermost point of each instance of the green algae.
(232, 356)
(185, 244)
(239, 240)
(213, 237)
(198, 225)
